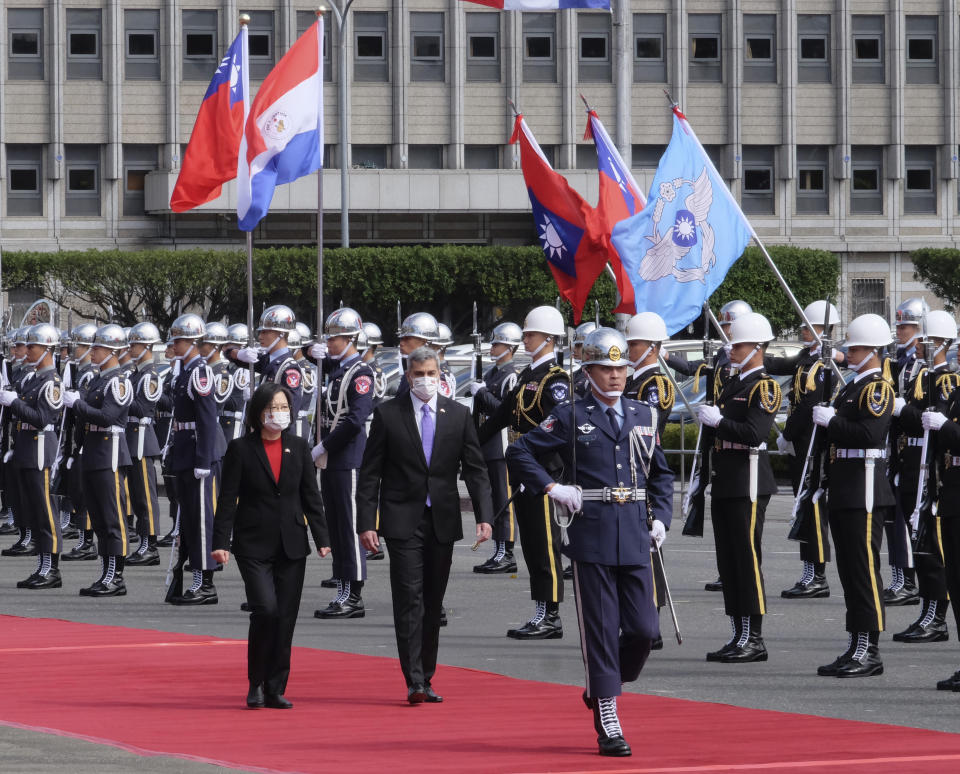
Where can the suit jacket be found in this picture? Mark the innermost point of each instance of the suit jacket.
(394, 476)
(265, 515)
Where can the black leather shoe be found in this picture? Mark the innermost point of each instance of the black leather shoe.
(245, 607)
(25, 583)
(568, 572)
(329, 583)
(148, 558)
(716, 585)
(506, 564)
(717, 655)
(255, 696)
(830, 670)
(815, 589)
(52, 580)
(115, 588)
(7, 528)
(753, 650)
(20, 549)
(548, 628)
(432, 696)
(205, 595)
(416, 694)
(167, 540)
(443, 616)
(375, 556)
(935, 631)
(952, 683)
(276, 701)
(869, 665)
(657, 644)
(905, 595)
(351, 607)
(613, 746)
(69, 533)
(85, 552)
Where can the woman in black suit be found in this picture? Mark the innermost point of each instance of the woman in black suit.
(269, 498)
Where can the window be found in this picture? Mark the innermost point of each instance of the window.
(260, 43)
(370, 46)
(24, 180)
(425, 156)
(539, 55)
(426, 47)
(922, 54)
(483, 46)
(84, 61)
(25, 44)
(646, 156)
(920, 189)
(481, 156)
(758, 189)
(199, 45)
(868, 45)
(649, 36)
(812, 179)
(594, 63)
(82, 196)
(138, 162)
(142, 55)
(704, 39)
(369, 156)
(304, 21)
(586, 156)
(813, 48)
(869, 296)
(866, 194)
(760, 48)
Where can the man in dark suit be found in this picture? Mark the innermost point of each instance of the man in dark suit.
(418, 443)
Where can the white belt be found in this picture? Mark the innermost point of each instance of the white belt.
(233, 414)
(953, 462)
(911, 441)
(613, 494)
(738, 446)
(303, 414)
(111, 429)
(177, 426)
(140, 421)
(25, 426)
(860, 454)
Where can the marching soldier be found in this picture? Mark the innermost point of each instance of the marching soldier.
(104, 408)
(232, 419)
(625, 488)
(228, 401)
(580, 386)
(741, 484)
(417, 330)
(25, 545)
(541, 386)
(346, 406)
(498, 383)
(907, 435)
(35, 409)
(142, 442)
(859, 493)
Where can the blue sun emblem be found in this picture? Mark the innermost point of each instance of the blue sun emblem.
(685, 229)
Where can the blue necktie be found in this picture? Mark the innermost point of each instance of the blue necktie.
(614, 420)
(426, 436)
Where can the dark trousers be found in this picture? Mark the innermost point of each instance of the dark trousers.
(170, 487)
(339, 489)
(931, 578)
(738, 534)
(81, 514)
(503, 527)
(106, 502)
(659, 580)
(143, 495)
(198, 498)
(540, 541)
(37, 504)
(419, 569)
(814, 540)
(273, 588)
(950, 534)
(895, 524)
(11, 482)
(618, 623)
(856, 539)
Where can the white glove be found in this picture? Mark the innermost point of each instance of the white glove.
(8, 456)
(838, 356)
(70, 397)
(823, 414)
(569, 496)
(7, 397)
(784, 446)
(710, 415)
(318, 351)
(317, 451)
(658, 533)
(475, 387)
(932, 420)
(201, 473)
(915, 520)
(898, 404)
(248, 355)
(69, 463)
(247, 393)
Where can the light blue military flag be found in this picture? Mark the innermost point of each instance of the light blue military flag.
(678, 248)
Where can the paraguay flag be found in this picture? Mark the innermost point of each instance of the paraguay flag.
(543, 5)
(569, 229)
(283, 137)
(211, 156)
(620, 198)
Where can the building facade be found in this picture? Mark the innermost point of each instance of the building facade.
(834, 122)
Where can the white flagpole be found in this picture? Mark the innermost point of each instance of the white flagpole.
(245, 85)
(318, 413)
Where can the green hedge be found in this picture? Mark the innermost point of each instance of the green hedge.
(671, 440)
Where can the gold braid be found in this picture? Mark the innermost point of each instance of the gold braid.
(878, 396)
(947, 384)
(769, 393)
(522, 411)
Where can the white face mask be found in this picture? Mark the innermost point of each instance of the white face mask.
(276, 420)
(855, 367)
(425, 387)
(604, 393)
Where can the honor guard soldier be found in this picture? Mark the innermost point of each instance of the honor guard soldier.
(229, 402)
(346, 405)
(498, 383)
(541, 386)
(25, 545)
(299, 339)
(369, 340)
(164, 425)
(741, 484)
(104, 408)
(417, 330)
(907, 436)
(729, 312)
(806, 391)
(448, 382)
(625, 488)
(142, 442)
(580, 385)
(35, 408)
(194, 458)
(274, 360)
(232, 420)
(858, 492)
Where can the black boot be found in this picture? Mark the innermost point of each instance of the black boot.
(609, 734)
(167, 540)
(201, 592)
(931, 626)
(812, 584)
(85, 550)
(502, 561)
(146, 555)
(545, 624)
(716, 585)
(49, 576)
(347, 604)
(110, 583)
(952, 683)
(865, 659)
(750, 646)
(715, 655)
(23, 547)
(902, 589)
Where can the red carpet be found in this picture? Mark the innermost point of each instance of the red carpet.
(100, 683)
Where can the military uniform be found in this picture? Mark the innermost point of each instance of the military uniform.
(144, 450)
(80, 377)
(311, 380)
(448, 383)
(280, 366)
(24, 546)
(232, 414)
(164, 432)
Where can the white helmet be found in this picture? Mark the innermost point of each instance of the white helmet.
(941, 325)
(544, 319)
(752, 328)
(646, 326)
(868, 330)
(816, 311)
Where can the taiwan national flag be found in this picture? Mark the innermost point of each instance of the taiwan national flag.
(283, 137)
(211, 156)
(543, 5)
(569, 229)
(620, 198)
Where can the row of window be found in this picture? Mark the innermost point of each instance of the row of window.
(201, 48)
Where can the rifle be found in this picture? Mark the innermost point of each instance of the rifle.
(694, 502)
(399, 354)
(924, 511)
(561, 515)
(813, 482)
(477, 347)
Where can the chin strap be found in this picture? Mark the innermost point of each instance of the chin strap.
(533, 355)
(740, 366)
(604, 393)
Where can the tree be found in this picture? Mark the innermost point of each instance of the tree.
(939, 270)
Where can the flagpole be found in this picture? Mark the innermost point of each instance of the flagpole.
(321, 10)
(244, 21)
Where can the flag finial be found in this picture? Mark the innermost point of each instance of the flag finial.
(321, 10)
(244, 19)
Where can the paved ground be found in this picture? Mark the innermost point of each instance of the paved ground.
(800, 635)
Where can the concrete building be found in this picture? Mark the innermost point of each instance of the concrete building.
(835, 122)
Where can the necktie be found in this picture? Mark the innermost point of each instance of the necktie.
(614, 419)
(426, 435)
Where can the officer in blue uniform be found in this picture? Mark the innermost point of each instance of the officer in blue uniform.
(231, 418)
(228, 401)
(194, 458)
(625, 488)
(35, 409)
(417, 330)
(347, 404)
(104, 409)
(369, 340)
(299, 339)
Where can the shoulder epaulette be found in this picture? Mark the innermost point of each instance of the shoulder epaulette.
(769, 393)
(877, 396)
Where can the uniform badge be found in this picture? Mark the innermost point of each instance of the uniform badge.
(292, 378)
(55, 395)
(559, 392)
(532, 386)
(586, 429)
(547, 424)
(363, 384)
(202, 383)
(653, 397)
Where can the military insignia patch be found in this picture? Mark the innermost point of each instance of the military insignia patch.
(559, 392)
(444, 388)
(55, 395)
(653, 397)
(292, 378)
(532, 386)
(586, 428)
(614, 353)
(547, 424)
(363, 384)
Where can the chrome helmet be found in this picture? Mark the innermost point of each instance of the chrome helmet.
(444, 336)
(731, 310)
(507, 333)
(277, 318)
(110, 336)
(306, 337)
(911, 311)
(20, 336)
(216, 333)
(238, 334)
(83, 334)
(294, 340)
(605, 346)
(373, 333)
(343, 322)
(422, 325)
(144, 333)
(188, 326)
(44, 334)
(581, 331)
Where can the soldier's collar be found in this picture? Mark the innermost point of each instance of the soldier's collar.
(45, 369)
(745, 374)
(863, 374)
(545, 359)
(644, 369)
(278, 353)
(105, 371)
(193, 359)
